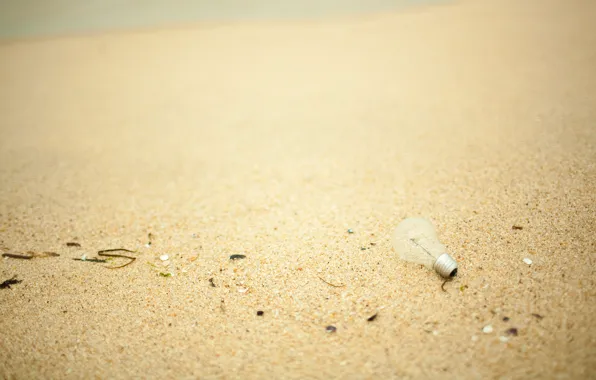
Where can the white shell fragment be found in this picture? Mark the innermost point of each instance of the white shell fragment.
(528, 261)
(503, 339)
(164, 257)
(487, 329)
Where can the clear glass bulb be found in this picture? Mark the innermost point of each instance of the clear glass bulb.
(415, 240)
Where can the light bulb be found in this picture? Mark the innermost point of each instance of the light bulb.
(415, 240)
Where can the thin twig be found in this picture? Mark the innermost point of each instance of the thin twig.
(330, 284)
(131, 258)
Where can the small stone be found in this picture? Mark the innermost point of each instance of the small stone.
(331, 329)
(528, 261)
(164, 257)
(237, 257)
(503, 339)
(350, 231)
(505, 319)
(260, 313)
(487, 329)
(511, 331)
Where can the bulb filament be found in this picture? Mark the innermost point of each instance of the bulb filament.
(424, 249)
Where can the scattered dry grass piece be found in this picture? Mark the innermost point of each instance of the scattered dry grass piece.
(105, 254)
(30, 255)
(91, 260)
(330, 284)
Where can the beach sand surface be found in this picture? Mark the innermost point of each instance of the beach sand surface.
(271, 139)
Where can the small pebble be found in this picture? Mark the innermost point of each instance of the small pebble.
(164, 257)
(350, 231)
(511, 331)
(331, 329)
(487, 329)
(503, 339)
(260, 313)
(528, 261)
(505, 319)
(237, 257)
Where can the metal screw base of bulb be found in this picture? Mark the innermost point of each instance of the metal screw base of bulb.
(446, 266)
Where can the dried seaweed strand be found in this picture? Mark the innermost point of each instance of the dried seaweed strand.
(16, 256)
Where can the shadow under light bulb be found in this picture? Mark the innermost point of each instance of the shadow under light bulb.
(415, 240)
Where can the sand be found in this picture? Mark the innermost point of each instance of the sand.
(271, 139)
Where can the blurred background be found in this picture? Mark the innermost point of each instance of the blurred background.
(27, 18)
